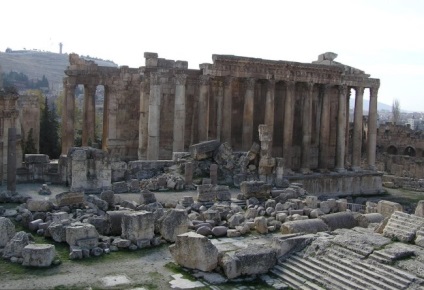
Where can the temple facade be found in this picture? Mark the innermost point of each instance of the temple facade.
(164, 107)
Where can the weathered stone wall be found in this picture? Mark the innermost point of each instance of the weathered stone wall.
(29, 116)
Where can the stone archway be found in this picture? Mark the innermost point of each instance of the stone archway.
(392, 150)
(410, 151)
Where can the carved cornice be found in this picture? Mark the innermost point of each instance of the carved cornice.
(180, 79)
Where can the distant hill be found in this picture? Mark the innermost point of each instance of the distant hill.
(366, 104)
(35, 64)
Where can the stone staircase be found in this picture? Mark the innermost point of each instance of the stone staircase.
(403, 226)
(340, 268)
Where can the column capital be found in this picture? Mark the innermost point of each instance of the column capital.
(180, 79)
(359, 90)
(343, 89)
(250, 83)
(373, 92)
(204, 80)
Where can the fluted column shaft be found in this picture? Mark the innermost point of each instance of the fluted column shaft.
(269, 109)
(307, 128)
(357, 129)
(341, 130)
(227, 110)
(324, 129)
(153, 126)
(89, 115)
(68, 117)
(179, 113)
(288, 125)
(372, 128)
(143, 131)
(247, 137)
(203, 125)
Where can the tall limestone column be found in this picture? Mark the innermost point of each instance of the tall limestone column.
(105, 132)
(341, 130)
(324, 137)
(307, 128)
(347, 139)
(227, 110)
(144, 118)
(219, 109)
(247, 137)
(288, 125)
(68, 115)
(203, 125)
(357, 129)
(89, 115)
(153, 126)
(269, 109)
(372, 128)
(179, 113)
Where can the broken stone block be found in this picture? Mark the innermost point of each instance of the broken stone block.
(121, 243)
(70, 198)
(261, 225)
(194, 251)
(304, 226)
(33, 226)
(419, 210)
(58, 217)
(134, 186)
(175, 222)
(402, 226)
(311, 201)
(98, 202)
(120, 187)
(138, 225)
(339, 220)
(204, 150)
(143, 243)
(204, 231)
(222, 193)
(188, 173)
(147, 197)
(57, 232)
(101, 223)
(115, 218)
(205, 193)
(212, 215)
(252, 260)
(257, 189)
(75, 253)
(219, 231)
(109, 197)
(38, 255)
(7, 231)
(82, 234)
(39, 205)
(15, 246)
(235, 220)
(387, 208)
(44, 190)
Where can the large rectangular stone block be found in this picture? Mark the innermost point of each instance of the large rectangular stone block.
(69, 198)
(138, 226)
(257, 189)
(204, 150)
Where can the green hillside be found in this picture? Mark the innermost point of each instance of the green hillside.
(35, 64)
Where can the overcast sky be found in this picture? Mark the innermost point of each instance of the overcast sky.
(383, 38)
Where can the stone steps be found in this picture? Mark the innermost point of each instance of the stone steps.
(382, 257)
(293, 279)
(403, 226)
(344, 253)
(365, 277)
(381, 275)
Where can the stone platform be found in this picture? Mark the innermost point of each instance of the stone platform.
(340, 184)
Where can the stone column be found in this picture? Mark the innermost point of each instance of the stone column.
(105, 129)
(68, 116)
(247, 136)
(153, 126)
(11, 160)
(372, 128)
(219, 109)
(347, 139)
(89, 115)
(288, 125)
(307, 128)
(203, 125)
(357, 129)
(144, 118)
(341, 130)
(227, 110)
(179, 113)
(188, 174)
(269, 108)
(324, 129)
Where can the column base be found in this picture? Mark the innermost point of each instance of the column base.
(340, 170)
(356, 168)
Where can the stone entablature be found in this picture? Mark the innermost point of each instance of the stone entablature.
(170, 107)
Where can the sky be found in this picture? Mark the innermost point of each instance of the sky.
(383, 38)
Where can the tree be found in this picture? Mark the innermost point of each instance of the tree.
(396, 111)
(49, 136)
(29, 147)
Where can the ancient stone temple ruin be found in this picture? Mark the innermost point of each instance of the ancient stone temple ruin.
(154, 111)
